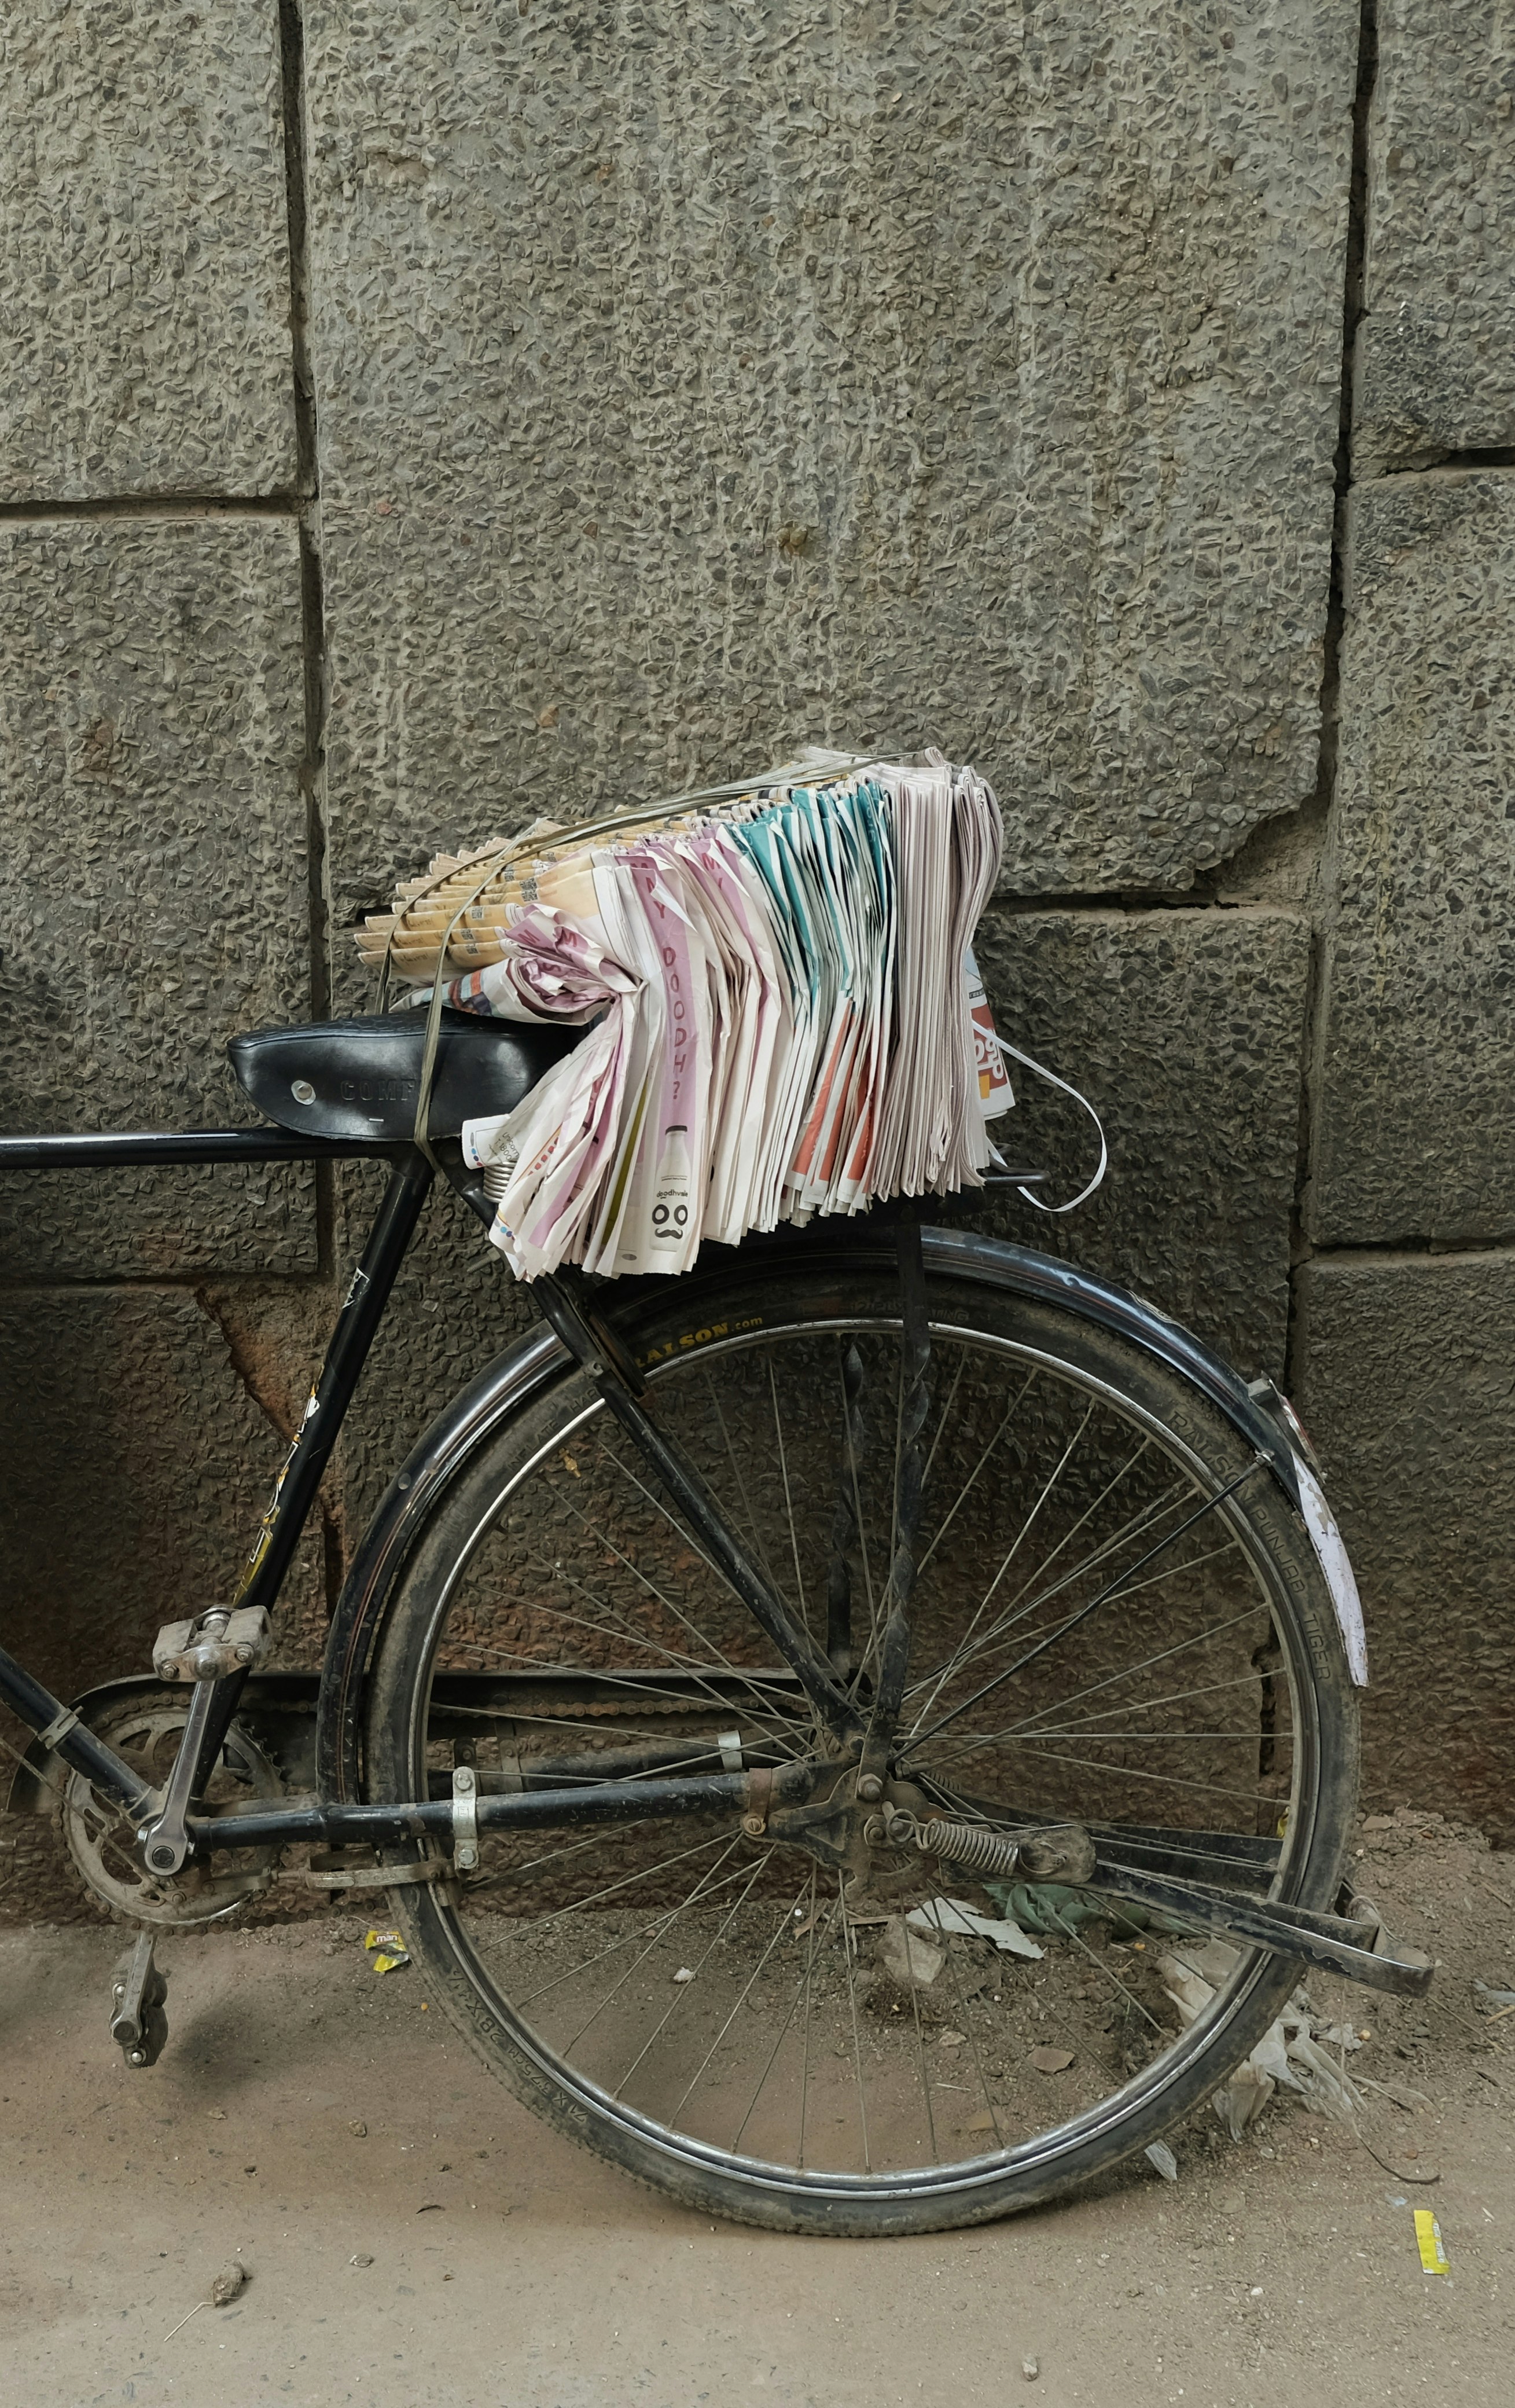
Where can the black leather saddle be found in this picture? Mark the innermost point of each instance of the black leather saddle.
(361, 1078)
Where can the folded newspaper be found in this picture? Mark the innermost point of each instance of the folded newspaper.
(781, 1011)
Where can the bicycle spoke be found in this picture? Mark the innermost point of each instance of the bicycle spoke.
(965, 1652)
(1150, 1705)
(706, 1886)
(773, 2054)
(809, 1990)
(1073, 1932)
(921, 2055)
(1112, 1590)
(742, 1997)
(857, 2044)
(944, 1415)
(778, 1733)
(972, 1480)
(1118, 1771)
(650, 1585)
(1010, 1619)
(1127, 1672)
(861, 1520)
(697, 1969)
(964, 2018)
(747, 1515)
(788, 1502)
(574, 1848)
(1091, 1639)
(613, 1889)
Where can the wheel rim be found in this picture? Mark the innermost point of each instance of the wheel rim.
(816, 2046)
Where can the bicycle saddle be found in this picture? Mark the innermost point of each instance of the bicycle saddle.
(359, 1078)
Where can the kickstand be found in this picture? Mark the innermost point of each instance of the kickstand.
(138, 2025)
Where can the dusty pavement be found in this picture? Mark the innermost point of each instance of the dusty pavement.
(411, 2237)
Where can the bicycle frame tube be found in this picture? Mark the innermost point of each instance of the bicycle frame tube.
(116, 1149)
(300, 1475)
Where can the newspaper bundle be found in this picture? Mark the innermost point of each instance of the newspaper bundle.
(781, 1012)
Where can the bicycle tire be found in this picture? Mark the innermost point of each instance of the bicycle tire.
(474, 1559)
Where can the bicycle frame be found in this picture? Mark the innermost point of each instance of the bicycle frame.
(300, 1475)
(1331, 1941)
(213, 1702)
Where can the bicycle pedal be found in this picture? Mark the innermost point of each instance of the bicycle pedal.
(138, 1988)
(212, 1646)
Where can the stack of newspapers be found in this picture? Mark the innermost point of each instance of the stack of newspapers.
(781, 1012)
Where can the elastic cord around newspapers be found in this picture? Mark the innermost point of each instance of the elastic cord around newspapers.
(1063, 1087)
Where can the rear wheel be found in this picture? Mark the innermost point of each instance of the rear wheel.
(1118, 1621)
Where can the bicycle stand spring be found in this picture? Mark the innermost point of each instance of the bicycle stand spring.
(1056, 1852)
(969, 1845)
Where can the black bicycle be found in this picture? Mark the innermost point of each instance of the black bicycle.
(798, 1710)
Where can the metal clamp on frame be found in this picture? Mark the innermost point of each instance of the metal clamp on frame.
(59, 1727)
(465, 1818)
(759, 1801)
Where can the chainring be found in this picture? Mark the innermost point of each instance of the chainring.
(146, 1731)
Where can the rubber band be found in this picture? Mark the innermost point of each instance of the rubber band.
(1064, 1088)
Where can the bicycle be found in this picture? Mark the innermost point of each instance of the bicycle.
(793, 1709)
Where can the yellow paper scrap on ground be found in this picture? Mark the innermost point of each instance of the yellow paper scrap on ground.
(387, 1951)
(1428, 2235)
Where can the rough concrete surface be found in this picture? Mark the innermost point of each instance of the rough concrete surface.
(1403, 1380)
(137, 1465)
(1183, 1029)
(1413, 1132)
(413, 2240)
(155, 897)
(455, 1307)
(1437, 351)
(144, 310)
(690, 382)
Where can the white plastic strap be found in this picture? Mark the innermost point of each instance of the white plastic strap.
(1062, 1085)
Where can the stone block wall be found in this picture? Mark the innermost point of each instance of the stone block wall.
(416, 419)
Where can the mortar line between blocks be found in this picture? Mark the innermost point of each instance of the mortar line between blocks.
(115, 507)
(312, 589)
(1317, 1000)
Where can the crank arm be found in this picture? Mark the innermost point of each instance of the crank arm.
(1329, 1941)
(165, 1841)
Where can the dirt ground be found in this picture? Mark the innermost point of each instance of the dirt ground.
(412, 2237)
